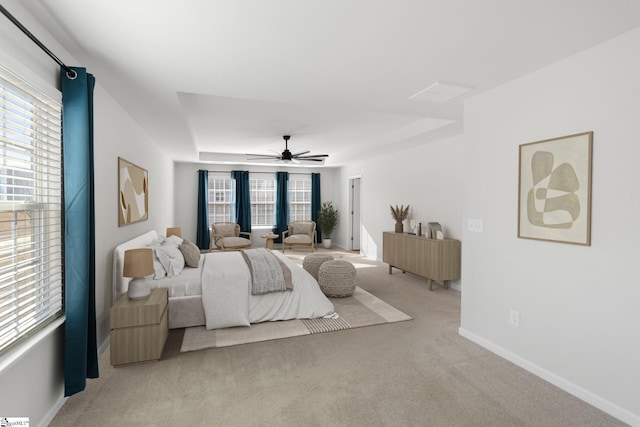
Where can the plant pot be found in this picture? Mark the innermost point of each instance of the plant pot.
(326, 243)
(399, 227)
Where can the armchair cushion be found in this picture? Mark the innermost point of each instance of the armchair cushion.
(301, 228)
(235, 242)
(225, 230)
(298, 239)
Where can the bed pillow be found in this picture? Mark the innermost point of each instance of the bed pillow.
(190, 252)
(158, 269)
(174, 240)
(171, 259)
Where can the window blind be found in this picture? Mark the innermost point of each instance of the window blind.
(31, 227)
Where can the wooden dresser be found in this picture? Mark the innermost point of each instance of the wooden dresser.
(432, 259)
(139, 328)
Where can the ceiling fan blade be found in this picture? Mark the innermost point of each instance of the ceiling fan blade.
(262, 157)
(313, 156)
(300, 153)
(309, 159)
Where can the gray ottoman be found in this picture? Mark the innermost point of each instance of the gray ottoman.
(312, 262)
(337, 278)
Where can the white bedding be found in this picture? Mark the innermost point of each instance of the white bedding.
(185, 291)
(227, 299)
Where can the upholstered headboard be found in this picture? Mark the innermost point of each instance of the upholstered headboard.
(121, 283)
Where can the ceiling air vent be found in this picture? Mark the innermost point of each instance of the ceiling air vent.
(440, 92)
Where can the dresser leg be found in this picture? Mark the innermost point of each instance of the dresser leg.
(430, 284)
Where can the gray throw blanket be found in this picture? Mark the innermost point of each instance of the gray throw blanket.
(268, 272)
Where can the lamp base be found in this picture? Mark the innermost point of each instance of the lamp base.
(139, 289)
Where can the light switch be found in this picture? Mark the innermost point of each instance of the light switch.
(475, 225)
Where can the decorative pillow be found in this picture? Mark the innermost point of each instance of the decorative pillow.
(174, 240)
(190, 252)
(302, 228)
(171, 259)
(225, 230)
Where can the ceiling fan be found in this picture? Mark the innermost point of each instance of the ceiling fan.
(288, 156)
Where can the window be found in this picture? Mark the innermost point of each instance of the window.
(31, 288)
(263, 198)
(221, 198)
(300, 198)
(263, 201)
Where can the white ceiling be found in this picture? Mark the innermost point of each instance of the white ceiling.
(233, 76)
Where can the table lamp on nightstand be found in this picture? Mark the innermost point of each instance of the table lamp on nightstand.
(138, 263)
(174, 231)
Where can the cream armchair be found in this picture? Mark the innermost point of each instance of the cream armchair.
(300, 233)
(227, 236)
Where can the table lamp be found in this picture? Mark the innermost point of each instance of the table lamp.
(174, 231)
(138, 263)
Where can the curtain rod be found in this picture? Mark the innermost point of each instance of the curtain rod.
(70, 73)
(290, 173)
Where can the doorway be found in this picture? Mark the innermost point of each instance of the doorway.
(355, 186)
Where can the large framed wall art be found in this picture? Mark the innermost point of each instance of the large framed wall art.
(554, 189)
(133, 193)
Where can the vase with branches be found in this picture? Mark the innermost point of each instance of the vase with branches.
(399, 214)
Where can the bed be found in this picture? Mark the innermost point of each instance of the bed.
(228, 300)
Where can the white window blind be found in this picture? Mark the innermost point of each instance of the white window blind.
(220, 198)
(263, 201)
(300, 198)
(31, 285)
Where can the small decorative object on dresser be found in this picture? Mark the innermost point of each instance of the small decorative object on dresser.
(399, 214)
(435, 231)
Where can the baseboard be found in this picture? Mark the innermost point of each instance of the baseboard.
(53, 411)
(571, 388)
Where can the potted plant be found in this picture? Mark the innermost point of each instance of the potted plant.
(327, 220)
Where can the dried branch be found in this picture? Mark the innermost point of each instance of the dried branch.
(399, 213)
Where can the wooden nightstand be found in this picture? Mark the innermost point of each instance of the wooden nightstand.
(139, 328)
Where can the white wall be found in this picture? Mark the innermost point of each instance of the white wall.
(428, 177)
(579, 317)
(186, 197)
(33, 383)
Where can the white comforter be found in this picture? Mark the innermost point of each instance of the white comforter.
(227, 299)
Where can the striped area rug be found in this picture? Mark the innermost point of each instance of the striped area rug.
(360, 309)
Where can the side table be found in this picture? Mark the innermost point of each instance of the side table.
(270, 238)
(139, 328)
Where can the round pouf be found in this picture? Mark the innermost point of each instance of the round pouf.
(337, 278)
(312, 262)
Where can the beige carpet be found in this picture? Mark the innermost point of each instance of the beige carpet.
(361, 309)
(413, 374)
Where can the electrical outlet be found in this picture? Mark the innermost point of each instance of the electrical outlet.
(475, 225)
(514, 318)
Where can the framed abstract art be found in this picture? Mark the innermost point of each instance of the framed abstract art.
(133, 193)
(554, 189)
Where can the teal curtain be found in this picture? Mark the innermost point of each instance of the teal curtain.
(315, 202)
(282, 204)
(80, 343)
(203, 238)
(243, 200)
